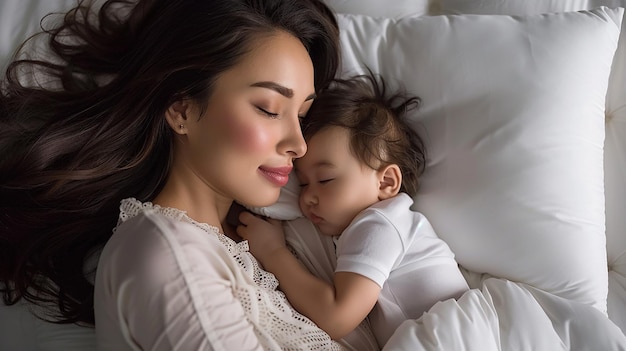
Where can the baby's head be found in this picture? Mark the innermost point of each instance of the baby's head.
(360, 150)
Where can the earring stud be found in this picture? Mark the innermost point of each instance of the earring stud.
(182, 126)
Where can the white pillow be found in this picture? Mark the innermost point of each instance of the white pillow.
(378, 8)
(614, 144)
(513, 117)
(287, 206)
(522, 7)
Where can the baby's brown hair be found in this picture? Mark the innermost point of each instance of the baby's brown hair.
(379, 131)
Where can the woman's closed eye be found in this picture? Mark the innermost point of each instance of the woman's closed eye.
(267, 113)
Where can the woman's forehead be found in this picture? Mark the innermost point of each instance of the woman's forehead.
(278, 62)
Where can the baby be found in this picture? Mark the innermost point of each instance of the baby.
(358, 178)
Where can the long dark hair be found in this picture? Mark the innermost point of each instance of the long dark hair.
(82, 127)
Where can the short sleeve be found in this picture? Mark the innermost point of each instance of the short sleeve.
(371, 246)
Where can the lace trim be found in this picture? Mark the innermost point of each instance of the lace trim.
(275, 322)
(131, 207)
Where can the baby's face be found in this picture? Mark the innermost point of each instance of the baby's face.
(335, 185)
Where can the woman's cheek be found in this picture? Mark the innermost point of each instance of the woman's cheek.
(251, 137)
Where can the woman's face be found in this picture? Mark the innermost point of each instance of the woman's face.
(244, 145)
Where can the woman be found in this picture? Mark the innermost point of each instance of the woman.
(175, 108)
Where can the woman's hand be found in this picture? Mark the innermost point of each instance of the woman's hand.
(265, 236)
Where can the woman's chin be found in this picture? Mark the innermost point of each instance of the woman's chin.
(267, 199)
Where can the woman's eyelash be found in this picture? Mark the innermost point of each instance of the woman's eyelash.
(268, 113)
(325, 181)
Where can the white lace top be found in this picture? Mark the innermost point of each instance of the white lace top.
(165, 281)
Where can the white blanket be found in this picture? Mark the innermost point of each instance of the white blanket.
(504, 315)
(500, 315)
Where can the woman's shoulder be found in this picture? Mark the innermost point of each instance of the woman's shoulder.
(152, 248)
(152, 223)
(152, 229)
(154, 263)
(150, 236)
(148, 219)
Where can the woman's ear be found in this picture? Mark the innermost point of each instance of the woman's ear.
(176, 116)
(390, 181)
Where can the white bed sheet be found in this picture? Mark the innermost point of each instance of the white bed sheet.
(20, 19)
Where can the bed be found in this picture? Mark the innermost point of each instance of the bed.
(524, 117)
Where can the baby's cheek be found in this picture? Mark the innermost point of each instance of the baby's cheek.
(301, 202)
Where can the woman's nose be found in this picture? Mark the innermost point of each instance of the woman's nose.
(294, 143)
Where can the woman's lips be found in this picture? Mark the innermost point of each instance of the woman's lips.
(278, 176)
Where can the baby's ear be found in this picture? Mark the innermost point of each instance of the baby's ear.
(390, 180)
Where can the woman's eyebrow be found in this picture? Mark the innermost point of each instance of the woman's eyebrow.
(282, 90)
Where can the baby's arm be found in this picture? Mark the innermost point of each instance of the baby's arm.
(337, 309)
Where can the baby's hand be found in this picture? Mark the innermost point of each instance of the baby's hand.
(265, 236)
